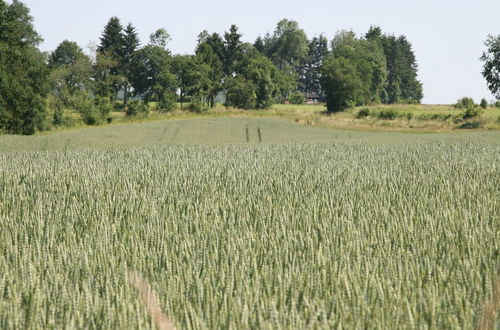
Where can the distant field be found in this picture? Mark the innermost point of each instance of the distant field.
(296, 227)
(430, 118)
(424, 118)
(212, 131)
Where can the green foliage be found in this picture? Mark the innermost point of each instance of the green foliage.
(483, 104)
(262, 72)
(198, 106)
(402, 85)
(105, 83)
(112, 39)
(66, 54)
(471, 125)
(368, 58)
(130, 46)
(137, 108)
(167, 102)
(149, 68)
(23, 72)
(254, 87)
(160, 38)
(71, 69)
(465, 103)
(342, 84)
(58, 116)
(491, 66)
(471, 108)
(165, 90)
(233, 51)
(188, 74)
(113, 58)
(435, 116)
(389, 114)
(93, 111)
(365, 112)
(240, 93)
(472, 112)
(296, 98)
(210, 54)
(103, 107)
(288, 46)
(310, 70)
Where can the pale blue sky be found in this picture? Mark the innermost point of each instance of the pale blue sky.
(447, 35)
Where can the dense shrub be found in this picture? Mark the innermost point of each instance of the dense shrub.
(365, 112)
(435, 116)
(136, 108)
(240, 94)
(471, 125)
(389, 114)
(472, 112)
(168, 102)
(104, 106)
(407, 115)
(465, 103)
(57, 118)
(85, 107)
(483, 104)
(296, 98)
(198, 107)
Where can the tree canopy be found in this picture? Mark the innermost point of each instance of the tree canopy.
(280, 66)
(491, 66)
(23, 71)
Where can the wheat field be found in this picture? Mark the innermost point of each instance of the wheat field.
(346, 230)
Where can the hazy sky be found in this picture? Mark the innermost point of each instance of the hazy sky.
(447, 35)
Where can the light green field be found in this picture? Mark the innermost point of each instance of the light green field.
(423, 117)
(303, 228)
(216, 131)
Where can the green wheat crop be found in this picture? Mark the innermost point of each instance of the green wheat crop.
(345, 234)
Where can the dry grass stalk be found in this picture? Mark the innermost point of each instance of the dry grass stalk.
(150, 299)
(490, 309)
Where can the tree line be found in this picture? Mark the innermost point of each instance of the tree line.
(281, 66)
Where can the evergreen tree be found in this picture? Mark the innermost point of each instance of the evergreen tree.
(111, 53)
(112, 39)
(130, 45)
(232, 50)
(311, 69)
(259, 44)
(402, 69)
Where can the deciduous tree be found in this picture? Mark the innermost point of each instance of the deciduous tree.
(491, 66)
(342, 83)
(23, 72)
